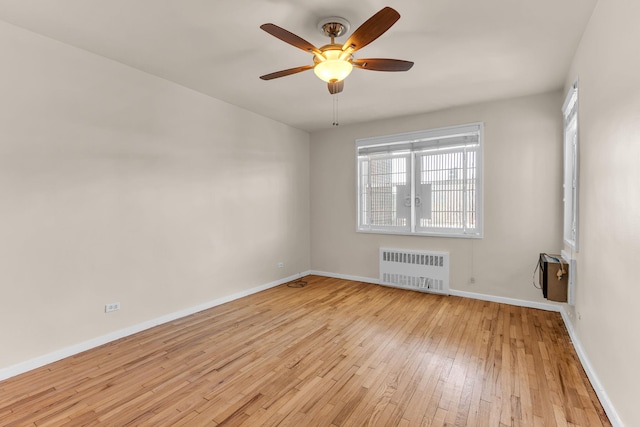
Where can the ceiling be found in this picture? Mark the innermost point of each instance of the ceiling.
(465, 51)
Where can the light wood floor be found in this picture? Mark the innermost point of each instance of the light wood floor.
(335, 353)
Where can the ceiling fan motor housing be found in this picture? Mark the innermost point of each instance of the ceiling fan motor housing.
(334, 26)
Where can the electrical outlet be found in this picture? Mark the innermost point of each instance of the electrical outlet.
(281, 265)
(114, 306)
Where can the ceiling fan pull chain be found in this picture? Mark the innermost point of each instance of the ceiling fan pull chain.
(335, 110)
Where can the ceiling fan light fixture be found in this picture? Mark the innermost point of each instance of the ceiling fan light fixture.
(333, 62)
(333, 68)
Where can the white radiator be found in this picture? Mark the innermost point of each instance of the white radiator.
(417, 270)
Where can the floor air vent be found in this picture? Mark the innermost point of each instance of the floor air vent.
(416, 270)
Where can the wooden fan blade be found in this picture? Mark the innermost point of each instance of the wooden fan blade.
(382, 64)
(373, 28)
(289, 37)
(336, 87)
(287, 72)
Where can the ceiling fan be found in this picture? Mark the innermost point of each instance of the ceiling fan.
(333, 62)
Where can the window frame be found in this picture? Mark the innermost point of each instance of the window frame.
(570, 169)
(405, 139)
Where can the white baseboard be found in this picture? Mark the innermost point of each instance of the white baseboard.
(591, 374)
(548, 306)
(345, 277)
(37, 362)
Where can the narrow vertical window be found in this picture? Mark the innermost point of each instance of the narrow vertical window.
(570, 220)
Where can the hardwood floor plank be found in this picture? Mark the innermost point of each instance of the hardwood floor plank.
(334, 353)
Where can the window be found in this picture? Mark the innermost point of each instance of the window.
(423, 183)
(570, 113)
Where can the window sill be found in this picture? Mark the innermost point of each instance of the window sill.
(432, 234)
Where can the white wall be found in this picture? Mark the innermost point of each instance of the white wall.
(117, 186)
(522, 182)
(606, 316)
